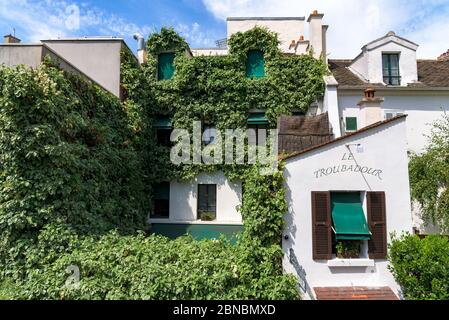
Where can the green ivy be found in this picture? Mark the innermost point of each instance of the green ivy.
(76, 163)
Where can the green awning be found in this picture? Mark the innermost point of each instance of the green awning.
(163, 123)
(348, 217)
(257, 118)
(198, 231)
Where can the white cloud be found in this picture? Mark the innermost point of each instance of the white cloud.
(353, 23)
(195, 35)
(39, 20)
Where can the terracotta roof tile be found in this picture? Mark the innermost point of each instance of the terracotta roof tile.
(355, 293)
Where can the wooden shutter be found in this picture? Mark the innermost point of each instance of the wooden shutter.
(321, 226)
(377, 221)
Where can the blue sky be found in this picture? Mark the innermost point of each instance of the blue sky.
(352, 22)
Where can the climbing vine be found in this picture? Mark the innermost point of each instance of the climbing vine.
(76, 164)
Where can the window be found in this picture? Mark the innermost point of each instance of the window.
(339, 225)
(255, 64)
(351, 124)
(166, 67)
(390, 64)
(209, 134)
(390, 114)
(161, 208)
(207, 202)
(258, 122)
(163, 126)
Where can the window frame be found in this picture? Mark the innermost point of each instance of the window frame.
(157, 200)
(356, 124)
(390, 78)
(210, 208)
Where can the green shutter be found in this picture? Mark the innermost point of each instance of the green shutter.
(348, 217)
(351, 124)
(257, 118)
(163, 123)
(255, 65)
(166, 67)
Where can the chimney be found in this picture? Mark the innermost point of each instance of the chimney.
(141, 50)
(370, 108)
(444, 56)
(9, 38)
(316, 33)
(302, 46)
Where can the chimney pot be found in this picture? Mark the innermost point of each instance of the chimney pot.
(370, 93)
(315, 12)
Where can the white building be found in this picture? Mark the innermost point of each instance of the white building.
(416, 88)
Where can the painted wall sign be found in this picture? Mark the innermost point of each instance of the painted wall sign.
(348, 167)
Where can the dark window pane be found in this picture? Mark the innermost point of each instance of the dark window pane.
(161, 208)
(390, 67)
(163, 137)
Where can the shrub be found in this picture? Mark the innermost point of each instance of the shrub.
(421, 267)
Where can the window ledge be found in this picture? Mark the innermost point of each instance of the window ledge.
(339, 263)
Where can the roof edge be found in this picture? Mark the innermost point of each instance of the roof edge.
(266, 18)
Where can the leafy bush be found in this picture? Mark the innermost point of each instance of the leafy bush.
(429, 177)
(421, 267)
(140, 267)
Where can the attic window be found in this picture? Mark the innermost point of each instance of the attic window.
(390, 64)
(166, 67)
(255, 64)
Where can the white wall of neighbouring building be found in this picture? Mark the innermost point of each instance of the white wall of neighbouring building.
(382, 148)
(423, 109)
(184, 199)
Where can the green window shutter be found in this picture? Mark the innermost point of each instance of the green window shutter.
(351, 124)
(257, 118)
(348, 217)
(166, 67)
(255, 64)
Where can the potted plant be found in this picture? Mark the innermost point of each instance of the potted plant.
(207, 216)
(348, 249)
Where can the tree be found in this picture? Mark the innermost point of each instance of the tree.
(429, 176)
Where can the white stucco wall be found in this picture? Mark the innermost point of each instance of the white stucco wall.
(422, 110)
(184, 200)
(288, 28)
(384, 149)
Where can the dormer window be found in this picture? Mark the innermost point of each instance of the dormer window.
(166, 67)
(390, 64)
(255, 64)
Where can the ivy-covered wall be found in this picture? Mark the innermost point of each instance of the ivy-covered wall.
(76, 164)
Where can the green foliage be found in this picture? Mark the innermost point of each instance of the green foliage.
(140, 267)
(429, 177)
(76, 163)
(421, 267)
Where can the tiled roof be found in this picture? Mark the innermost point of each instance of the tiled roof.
(431, 74)
(355, 293)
